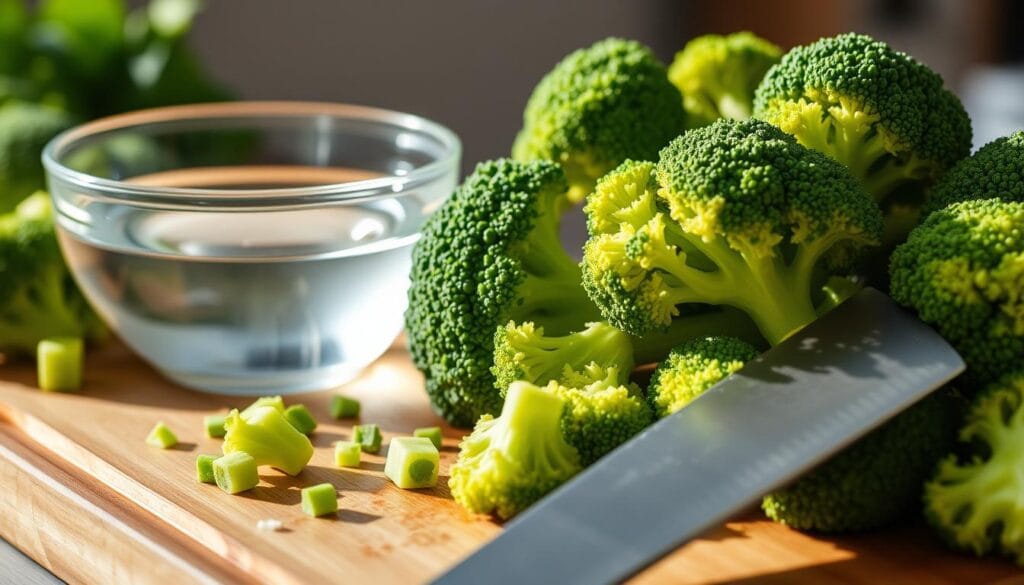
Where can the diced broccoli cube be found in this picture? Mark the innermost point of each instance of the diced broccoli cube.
(235, 472)
(161, 437)
(432, 433)
(204, 468)
(319, 500)
(59, 363)
(300, 418)
(214, 424)
(412, 462)
(344, 407)
(368, 436)
(347, 454)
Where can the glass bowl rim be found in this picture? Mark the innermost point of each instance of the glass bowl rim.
(357, 190)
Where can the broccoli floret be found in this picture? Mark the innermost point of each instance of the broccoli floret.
(876, 480)
(523, 352)
(490, 255)
(962, 270)
(884, 115)
(975, 501)
(601, 412)
(24, 130)
(38, 298)
(996, 171)
(692, 368)
(717, 75)
(508, 463)
(736, 214)
(266, 435)
(598, 107)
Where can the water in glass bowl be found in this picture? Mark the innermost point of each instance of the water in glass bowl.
(255, 301)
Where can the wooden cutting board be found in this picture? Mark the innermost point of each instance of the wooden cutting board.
(82, 494)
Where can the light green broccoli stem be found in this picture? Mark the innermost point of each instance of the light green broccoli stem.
(776, 296)
(733, 107)
(269, 438)
(717, 321)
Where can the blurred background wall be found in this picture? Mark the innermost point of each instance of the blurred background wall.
(472, 63)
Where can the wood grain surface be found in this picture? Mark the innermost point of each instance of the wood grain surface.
(88, 499)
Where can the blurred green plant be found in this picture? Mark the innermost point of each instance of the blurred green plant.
(75, 60)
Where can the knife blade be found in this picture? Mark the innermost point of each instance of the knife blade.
(781, 414)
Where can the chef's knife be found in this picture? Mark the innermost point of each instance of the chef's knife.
(777, 417)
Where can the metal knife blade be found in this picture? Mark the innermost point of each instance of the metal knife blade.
(781, 414)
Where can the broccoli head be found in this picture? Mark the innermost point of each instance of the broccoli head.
(736, 214)
(996, 171)
(717, 75)
(692, 368)
(24, 130)
(601, 412)
(509, 462)
(523, 352)
(884, 115)
(598, 107)
(490, 255)
(38, 298)
(877, 479)
(975, 500)
(962, 270)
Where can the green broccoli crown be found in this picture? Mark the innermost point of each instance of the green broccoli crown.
(24, 130)
(717, 75)
(509, 462)
(491, 254)
(743, 216)
(876, 480)
(38, 298)
(975, 501)
(962, 270)
(878, 111)
(996, 171)
(523, 352)
(266, 435)
(602, 414)
(598, 107)
(693, 367)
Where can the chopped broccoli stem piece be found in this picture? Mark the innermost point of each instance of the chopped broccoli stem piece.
(161, 436)
(235, 472)
(275, 402)
(300, 418)
(268, 438)
(344, 407)
(204, 468)
(412, 462)
(214, 424)
(59, 362)
(319, 500)
(368, 436)
(432, 433)
(347, 453)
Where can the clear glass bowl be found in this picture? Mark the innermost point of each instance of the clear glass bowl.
(250, 248)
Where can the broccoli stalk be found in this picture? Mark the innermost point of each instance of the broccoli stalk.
(38, 298)
(266, 435)
(598, 107)
(975, 501)
(717, 75)
(523, 352)
(490, 255)
(884, 115)
(962, 270)
(509, 462)
(735, 214)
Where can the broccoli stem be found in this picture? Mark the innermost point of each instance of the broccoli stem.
(708, 322)
(733, 107)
